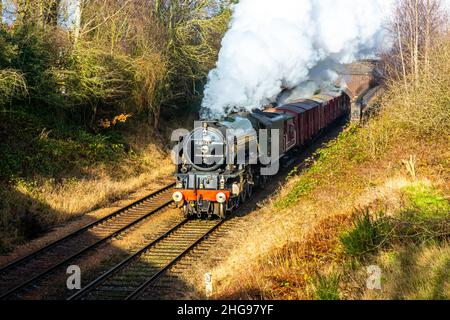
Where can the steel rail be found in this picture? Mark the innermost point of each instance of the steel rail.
(157, 275)
(30, 256)
(86, 290)
(81, 252)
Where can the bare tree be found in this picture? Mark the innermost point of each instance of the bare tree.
(415, 26)
(39, 12)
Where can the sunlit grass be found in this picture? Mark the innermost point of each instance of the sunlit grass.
(311, 229)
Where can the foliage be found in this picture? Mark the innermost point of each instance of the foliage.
(171, 46)
(425, 217)
(66, 95)
(327, 287)
(35, 58)
(12, 85)
(123, 57)
(12, 82)
(426, 203)
(368, 235)
(95, 83)
(30, 149)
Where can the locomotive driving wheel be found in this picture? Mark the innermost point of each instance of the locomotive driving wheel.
(263, 181)
(237, 202)
(249, 190)
(243, 195)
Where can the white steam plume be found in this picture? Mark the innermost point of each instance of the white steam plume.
(276, 44)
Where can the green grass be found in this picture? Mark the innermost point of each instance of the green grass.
(327, 287)
(331, 160)
(424, 219)
(368, 234)
(299, 190)
(425, 202)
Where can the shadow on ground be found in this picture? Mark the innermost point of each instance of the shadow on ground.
(108, 255)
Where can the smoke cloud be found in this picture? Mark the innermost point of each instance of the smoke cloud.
(274, 45)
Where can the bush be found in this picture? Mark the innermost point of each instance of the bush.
(423, 107)
(12, 86)
(367, 235)
(424, 218)
(94, 82)
(327, 288)
(12, 81)
(35, 56)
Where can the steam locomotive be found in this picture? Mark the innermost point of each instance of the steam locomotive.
(220, 162)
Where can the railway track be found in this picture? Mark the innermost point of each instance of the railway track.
(132, 277)
(175, 283)
(28, 271)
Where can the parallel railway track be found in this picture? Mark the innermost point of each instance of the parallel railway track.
(132, 277)
(23, 273)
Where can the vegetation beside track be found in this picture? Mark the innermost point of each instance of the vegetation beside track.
(377, 195)
(86, 108)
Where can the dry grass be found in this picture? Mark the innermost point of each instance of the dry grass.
(74, 197)
(295, 239)
(284, 256)
(412, 273)
(31, 208)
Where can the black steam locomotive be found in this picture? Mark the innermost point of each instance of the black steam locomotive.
(221, 162)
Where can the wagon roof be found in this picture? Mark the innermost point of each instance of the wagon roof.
(269, 118)
(322, 98)
(333, 94)
(292, 108)
(305, 104)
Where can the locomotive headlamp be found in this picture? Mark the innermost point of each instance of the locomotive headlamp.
(221, 197)
(178, 197)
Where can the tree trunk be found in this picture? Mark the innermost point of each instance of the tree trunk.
(400, 45)
(77, 21)
(416, 42)
(427, 35)
(156, 118)
(51, 11)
